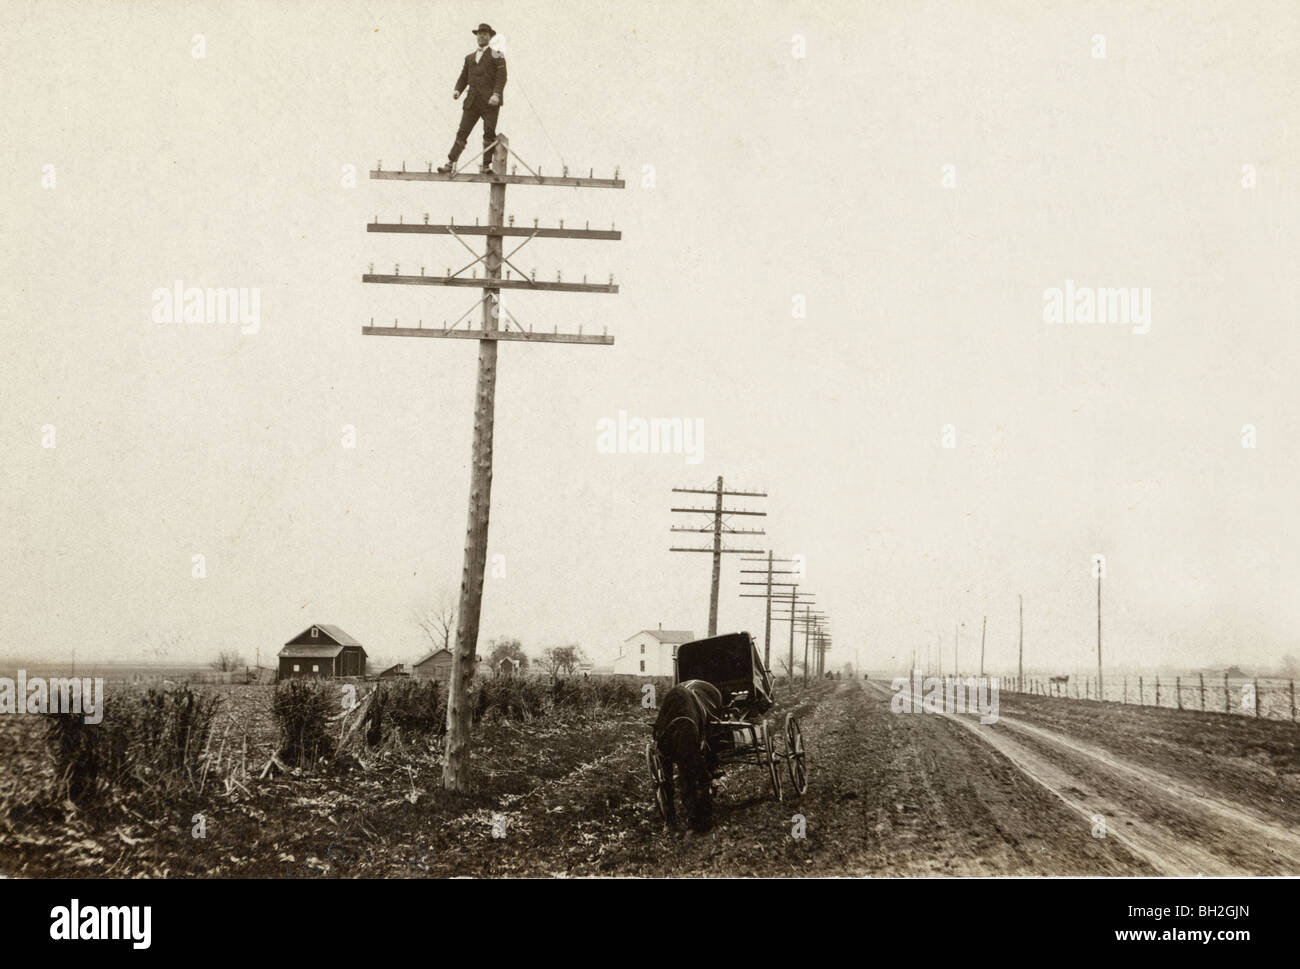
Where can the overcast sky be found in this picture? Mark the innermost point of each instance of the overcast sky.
(754, 176)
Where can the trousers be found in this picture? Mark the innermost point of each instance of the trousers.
(473, 111)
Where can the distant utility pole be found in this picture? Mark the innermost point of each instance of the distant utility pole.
(495, 328)
(791, 602)
(1099, 693)
(808, 621)
(807, 629)
(719, 527)
(1020, 671)
(823, 647)
(822, 643)
(983, 630)
(767, 595)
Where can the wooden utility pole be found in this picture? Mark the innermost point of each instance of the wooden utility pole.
(1099, 688)
(824, 646)
(719, 527)
(767, 596)
(983, 629)
(791, 602)
(1020, 670)
(495, 327)
(809, 621)
(807, 630)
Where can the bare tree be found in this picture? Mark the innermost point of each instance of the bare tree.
(571, 657)
(438, 622)
(227, 662)
(561, 659)
(549, 661)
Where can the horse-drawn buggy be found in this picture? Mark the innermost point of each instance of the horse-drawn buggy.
(713, 716)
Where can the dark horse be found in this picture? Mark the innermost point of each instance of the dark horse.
(681, 734)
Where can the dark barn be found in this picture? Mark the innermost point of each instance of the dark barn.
(322, 651)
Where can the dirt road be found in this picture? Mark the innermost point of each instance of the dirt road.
(1173, 823)
(913, 794)
(889, 794)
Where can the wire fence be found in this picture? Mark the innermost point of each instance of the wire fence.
(1268, 698)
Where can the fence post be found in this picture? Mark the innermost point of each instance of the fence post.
(1202, 676)
(1293, 701)
(1257, 703)
(1227, 695)
(1178, 691)
(1157, 689)
(1124, 696)
(1141, 697)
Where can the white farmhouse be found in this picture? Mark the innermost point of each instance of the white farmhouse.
(651, 651)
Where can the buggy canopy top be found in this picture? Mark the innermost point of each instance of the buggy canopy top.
(731, 663)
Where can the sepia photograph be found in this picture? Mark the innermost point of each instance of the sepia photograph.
(706, 441)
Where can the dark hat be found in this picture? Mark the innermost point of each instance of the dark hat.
(482, 27)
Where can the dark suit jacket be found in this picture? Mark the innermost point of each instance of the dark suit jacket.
(484, 79)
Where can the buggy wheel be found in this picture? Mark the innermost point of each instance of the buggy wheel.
(769, 748)
(794, 755)
(656, 764)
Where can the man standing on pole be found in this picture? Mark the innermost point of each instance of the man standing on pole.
(484, 73)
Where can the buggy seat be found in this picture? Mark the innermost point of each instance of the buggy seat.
(732, 664)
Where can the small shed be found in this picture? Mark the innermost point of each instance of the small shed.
(437, 666)
(397, 669)
(322, 651)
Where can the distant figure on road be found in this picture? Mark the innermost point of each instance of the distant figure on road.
(484, 73)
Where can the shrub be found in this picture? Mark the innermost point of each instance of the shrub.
(150, 738)
(301, 710)
(510, 698)
(527, 697)
(616, 693)
(407, 708)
